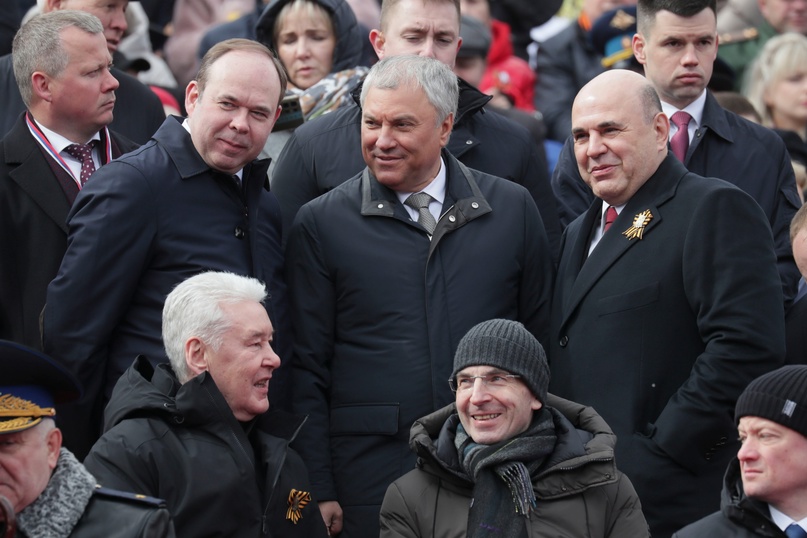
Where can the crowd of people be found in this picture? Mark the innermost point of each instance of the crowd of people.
(403, 268)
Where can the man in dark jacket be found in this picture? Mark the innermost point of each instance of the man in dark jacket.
(667, 289)
(191, 200)
(197, 433)
(325, 153)
(720, 143)
(528, 460)
(138, 111)
(40, 172)
(49, 492)
(765, 488)
(383, 291)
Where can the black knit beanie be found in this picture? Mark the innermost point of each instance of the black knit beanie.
(507, 345)
(780, 396)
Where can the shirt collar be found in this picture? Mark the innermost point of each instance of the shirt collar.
(436, 189)
(694, 109)
(784, 521)
(58, 141)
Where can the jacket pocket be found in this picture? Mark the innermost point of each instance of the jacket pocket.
(628, 301)
(365, 419)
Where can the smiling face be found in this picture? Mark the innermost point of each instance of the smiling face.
(232, 116)
(305, 44)
(421, 28)
(617, 145)
(490, 415)
(112, 14)
(773, 466)
(401, 139)
(81, 98)
(678, 55)
(242, 365)
(27, 459)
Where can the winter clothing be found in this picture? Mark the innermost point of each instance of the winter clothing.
(218, 477)
(143, 224)
(507, 345)
(71, 505)
(506, 72)
(378, 311)
(579, 491)
(327, 152)
(780, 396)
(739, 516)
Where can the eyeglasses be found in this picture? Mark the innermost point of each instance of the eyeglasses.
(491, 381)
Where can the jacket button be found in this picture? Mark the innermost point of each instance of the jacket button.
(452, 218)
(563, 341)
(239, 232)
(469, 142)
(475, 205)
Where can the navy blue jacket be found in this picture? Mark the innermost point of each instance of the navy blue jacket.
(142, 225)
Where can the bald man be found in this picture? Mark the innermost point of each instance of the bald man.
(667, 303)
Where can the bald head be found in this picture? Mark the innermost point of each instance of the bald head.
(620, 134)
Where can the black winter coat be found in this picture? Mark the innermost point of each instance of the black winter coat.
(218, 477)
(739, 516)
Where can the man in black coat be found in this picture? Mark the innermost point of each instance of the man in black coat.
(39, 178)
(138, 113)
(382, 291)
(721, 144)
(325, 153)
(667, 302)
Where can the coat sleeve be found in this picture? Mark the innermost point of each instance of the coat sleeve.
(293, 182)
(537, 276)
(732, 286)
(787, 203)
(573, 195)
(116, 462)
(396, 515)
(625, 511)
(111, 229)
(313, 306)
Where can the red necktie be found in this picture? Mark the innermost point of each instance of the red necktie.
(680, 140)
(610, 217)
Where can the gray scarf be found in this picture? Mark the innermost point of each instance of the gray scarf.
(504, 467)
(59, 507)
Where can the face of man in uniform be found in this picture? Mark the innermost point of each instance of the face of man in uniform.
(617, 146)
(232, 116)
(401, 138)
(678, 55)
(785, 15)
(27, 459)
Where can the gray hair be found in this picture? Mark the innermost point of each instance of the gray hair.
(38, 46)
(435, 78)
(781, 57)
(193, 308)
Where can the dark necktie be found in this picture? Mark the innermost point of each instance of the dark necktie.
(794, 531)
(610, 217)
(680, 140)
(83, 153)
(420, 201)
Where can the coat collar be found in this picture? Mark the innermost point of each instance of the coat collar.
(464, 201)
(651, 196)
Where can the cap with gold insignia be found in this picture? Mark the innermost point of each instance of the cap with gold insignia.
(30, 385)
(612, 36)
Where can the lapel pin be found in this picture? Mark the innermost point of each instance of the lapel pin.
(297, 501)
(639, 222)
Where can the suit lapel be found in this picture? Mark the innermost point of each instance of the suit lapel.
(33, 174)
(614, 245)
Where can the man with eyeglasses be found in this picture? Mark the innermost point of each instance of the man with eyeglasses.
(509, 458)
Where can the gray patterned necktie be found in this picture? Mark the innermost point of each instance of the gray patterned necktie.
(420, 201)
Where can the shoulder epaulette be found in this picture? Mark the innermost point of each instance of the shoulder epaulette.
(137, 498)
(738, 36)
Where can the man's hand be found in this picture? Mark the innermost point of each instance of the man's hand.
(332, 514)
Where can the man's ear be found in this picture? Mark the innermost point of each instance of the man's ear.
(52, 5)
(195, 355)
(638, 45)
(377, 40)
(53, 440)
(191, 96)
(40, 84)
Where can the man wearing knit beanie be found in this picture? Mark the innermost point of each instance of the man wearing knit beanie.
(531, 462)
(765, 487)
